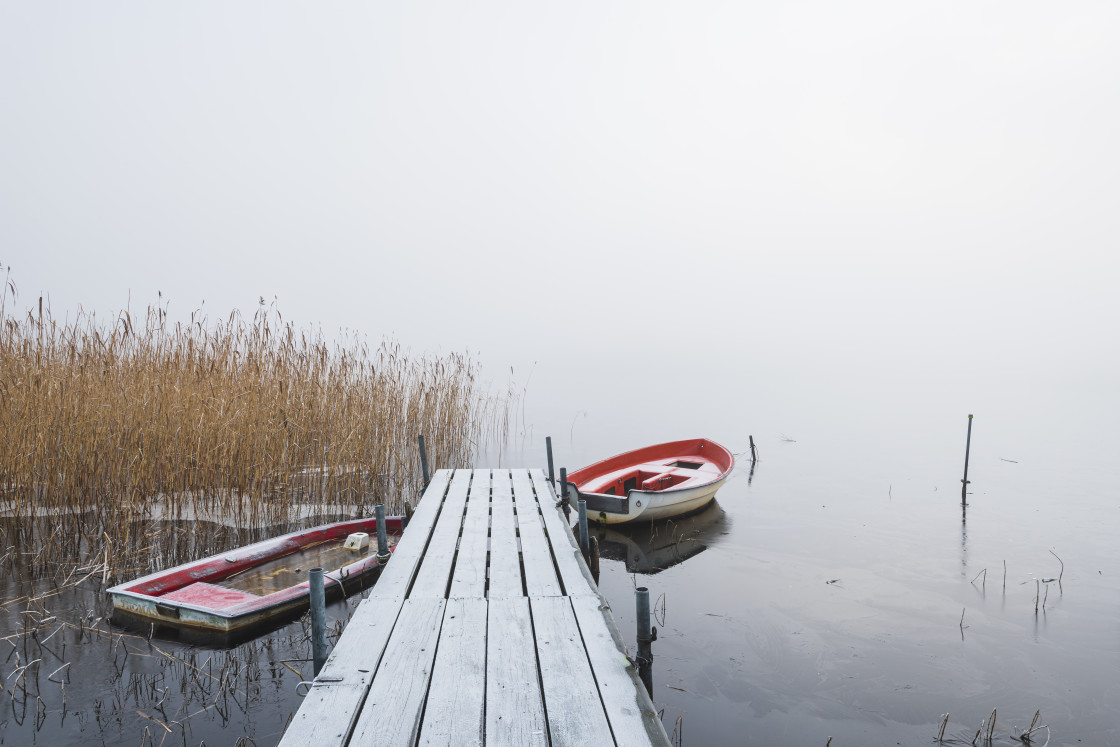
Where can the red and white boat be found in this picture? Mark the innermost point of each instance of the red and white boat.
(655, 482)
(256, 583)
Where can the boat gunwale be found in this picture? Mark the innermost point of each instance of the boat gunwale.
(599, 468)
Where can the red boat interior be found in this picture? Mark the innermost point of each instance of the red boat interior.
(269, 567)
(676, 465)
(652, 476)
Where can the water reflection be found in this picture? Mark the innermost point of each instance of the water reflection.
(964, 540)
(651, 547)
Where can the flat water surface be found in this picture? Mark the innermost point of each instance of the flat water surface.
(818, 599)
(837, 589)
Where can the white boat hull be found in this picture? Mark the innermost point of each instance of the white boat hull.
(646, 505)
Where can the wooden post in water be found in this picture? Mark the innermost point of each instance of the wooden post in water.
(318, 620)
(548, 448)
(584, 542)
(383, 553)
(645, 637)
(593, 562)
(967, 446)
(754, 453)
(424, 461)
(564, 494)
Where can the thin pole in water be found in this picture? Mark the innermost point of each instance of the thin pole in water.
(967, 446)
(754, 453)
(584, 542)
(564, 494)
(645, 637)
(548, 448)
(594, 560)
(424, 461)
(382, 539)
(318, 620)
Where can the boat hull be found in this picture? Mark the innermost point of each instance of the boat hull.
(658, 482)
(193, 595)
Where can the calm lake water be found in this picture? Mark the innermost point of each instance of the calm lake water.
(820, 596)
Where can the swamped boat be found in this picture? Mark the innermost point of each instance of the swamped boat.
(655, 482)
(254, 584)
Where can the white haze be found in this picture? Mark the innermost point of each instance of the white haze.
(669, 218)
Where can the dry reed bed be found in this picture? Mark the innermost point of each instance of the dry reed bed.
(104, 425)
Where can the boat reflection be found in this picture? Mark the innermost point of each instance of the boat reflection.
(651, 547)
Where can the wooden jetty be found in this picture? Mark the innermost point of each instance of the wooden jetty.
(484, 629)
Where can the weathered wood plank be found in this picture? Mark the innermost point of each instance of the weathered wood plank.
(368, 632)
(629, 709)
(398, 574)
(514, 705)
(569, 561)
(505, 563)
(391, 713)
(326, 716)
(435, 572)
(470, 564)
(453, 714)
(571, 699)
(540, 571)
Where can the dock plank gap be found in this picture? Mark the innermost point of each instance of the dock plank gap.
(485, 628)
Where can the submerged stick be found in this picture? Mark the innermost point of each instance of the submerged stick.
(1035, 726)
(941, 731)
(1063, 570)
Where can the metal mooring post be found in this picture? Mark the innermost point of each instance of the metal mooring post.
(646, 635)
(967, 446)
(584, 543)
(548, 448)
(318, 620)
(383, 554)
(424, 461)
(564, 494)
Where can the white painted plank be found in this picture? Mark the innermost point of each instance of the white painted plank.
(326, 716)
(469, 579)
(540, 571)
(573, 571)
(453, 714)
(391, 714)
(505, 563)
(360, 648)
(435, 571)
(629, 709)
(514, 705)
(398, 574)
(571, 699)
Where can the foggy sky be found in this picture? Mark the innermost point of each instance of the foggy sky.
(876, 191)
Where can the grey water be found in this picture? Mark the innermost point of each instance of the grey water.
(839, 588)
(836, 588)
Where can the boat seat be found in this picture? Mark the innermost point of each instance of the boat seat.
(209, 595)
(668, 479)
